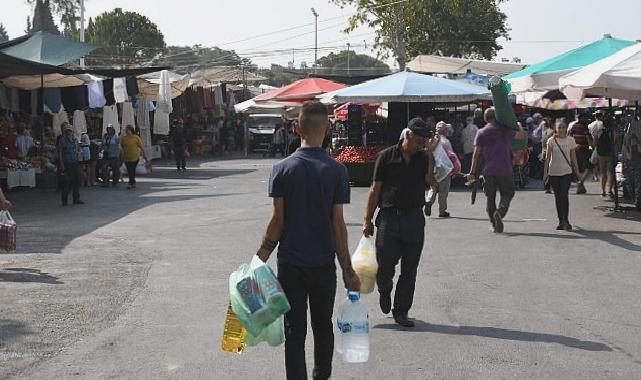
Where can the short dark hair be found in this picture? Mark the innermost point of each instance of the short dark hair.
(313, 116)
(131, 129)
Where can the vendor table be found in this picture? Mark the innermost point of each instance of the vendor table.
(19, 177)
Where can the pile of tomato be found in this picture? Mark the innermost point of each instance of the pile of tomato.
(357, 154)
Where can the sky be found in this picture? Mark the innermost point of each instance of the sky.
(256, 28)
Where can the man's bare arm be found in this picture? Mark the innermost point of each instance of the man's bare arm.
(342, 250)
(274, 230)
(370, 207)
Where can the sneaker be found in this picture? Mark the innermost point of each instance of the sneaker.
(548, 191)
(580, 189)
(385, 302)
(602, 195)
(611, 195)
(567, 226)
(79, 203)
(444, 215)
(560, 227)
(402, 320)
(498, 222)
(428, 208)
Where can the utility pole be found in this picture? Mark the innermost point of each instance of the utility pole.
(315, 36)
(82, 28)
(400, 36)
(348, 45)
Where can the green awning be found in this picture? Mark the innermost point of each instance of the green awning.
(544, 75)
(47, 48)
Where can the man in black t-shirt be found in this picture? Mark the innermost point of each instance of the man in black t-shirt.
(400, 177)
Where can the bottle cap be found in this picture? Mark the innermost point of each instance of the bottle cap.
(353, 296)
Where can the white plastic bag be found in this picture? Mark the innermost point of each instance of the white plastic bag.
(141, 168)
(594, 158)
(442, 164)
(365, 264)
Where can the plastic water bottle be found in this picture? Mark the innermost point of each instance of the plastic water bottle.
(353, 324)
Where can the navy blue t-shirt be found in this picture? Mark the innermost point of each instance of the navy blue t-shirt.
(311, 183)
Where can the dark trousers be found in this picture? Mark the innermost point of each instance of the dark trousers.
(112, 164)
(71, 180)
(131, 171)
(317, 284)
(505, 186)
(634, 182)
(179, 153)
(467, 163)
(561, 187)
(400, 236)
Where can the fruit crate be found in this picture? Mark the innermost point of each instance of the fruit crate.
(360, 174)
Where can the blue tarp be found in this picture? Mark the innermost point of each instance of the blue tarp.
(47, 48)
(409, 87)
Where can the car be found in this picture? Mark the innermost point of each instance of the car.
(261, 129)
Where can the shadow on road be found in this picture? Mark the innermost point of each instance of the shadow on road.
(27, 275)
(498, 333)
(605, 236)
(10, 330)
(46, 227)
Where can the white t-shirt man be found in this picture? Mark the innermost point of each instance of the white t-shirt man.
(467, 135)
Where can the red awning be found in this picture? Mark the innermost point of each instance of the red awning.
(300, 91)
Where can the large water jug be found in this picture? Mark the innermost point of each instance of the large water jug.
(352, 322)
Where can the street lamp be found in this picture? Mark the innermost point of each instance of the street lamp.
(315, 36)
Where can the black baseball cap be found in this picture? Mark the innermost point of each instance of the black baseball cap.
(418, 126)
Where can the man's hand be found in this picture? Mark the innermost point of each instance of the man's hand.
(351, 280)
(470, 177)
(5, 205)
(368, 228)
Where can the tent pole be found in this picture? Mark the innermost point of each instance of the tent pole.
(41, 107)
(614, 156)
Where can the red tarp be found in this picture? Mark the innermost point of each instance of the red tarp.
(300, 91)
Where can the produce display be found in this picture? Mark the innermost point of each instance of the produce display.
(357, 154)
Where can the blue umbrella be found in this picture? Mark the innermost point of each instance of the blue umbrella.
(405, 87)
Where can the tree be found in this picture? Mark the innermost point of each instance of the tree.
(191, 58)
(68, 10)
(4, 36)
(459, 28)
(42, 19)
(359, 64)
(126, 37)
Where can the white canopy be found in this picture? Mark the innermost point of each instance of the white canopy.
(250, 106)
(34, 82)
(149, 84)
(434, 64)
(617, 76)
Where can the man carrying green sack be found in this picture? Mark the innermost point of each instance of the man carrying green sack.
(505, 116)
(309, 189)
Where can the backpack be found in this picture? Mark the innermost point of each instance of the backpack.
(604, 145)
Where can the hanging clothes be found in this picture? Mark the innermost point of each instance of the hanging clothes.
(128, 115)
(52, 100)
(108, 90)
(79, 123)
(110, 116)
(120, 90)
(75, 98)
(4, 101)
(164, 94)
(25, 101)
(96, 94)
(35, 100)
(142, 117)
(223, 90)
(161, 123)
(15, 100)
(132, 86)
(218, 95)
(58, 119)
(231, 101)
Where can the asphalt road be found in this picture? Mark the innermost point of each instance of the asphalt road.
(133, 285)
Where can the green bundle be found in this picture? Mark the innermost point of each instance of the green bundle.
(503, 108)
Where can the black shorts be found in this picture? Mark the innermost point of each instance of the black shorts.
(583, 154)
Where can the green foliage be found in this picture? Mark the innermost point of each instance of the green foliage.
(42, 19)
(278, 77)
(4, 36)
(126, 37)
(359, 64)
(69, 12)
(459, 28)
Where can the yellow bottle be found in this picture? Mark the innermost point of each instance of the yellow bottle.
(234, 333)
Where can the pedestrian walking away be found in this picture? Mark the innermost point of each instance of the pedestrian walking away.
(69, 151)
(442, 188)
(560, 164)
(492, 144)
(602, 142)
(131, 152)
(580, 131)
(309, 189)
(632, 160)
(111, 157)
(401, 174)
(178, 141)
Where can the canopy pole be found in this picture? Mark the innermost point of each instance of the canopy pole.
(615, 155)
(41, 107)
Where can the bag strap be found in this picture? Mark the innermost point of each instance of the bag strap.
(563, 153)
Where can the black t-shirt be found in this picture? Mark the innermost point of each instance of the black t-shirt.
(403, 183)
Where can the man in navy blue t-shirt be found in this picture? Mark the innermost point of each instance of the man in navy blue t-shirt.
(309, 189)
